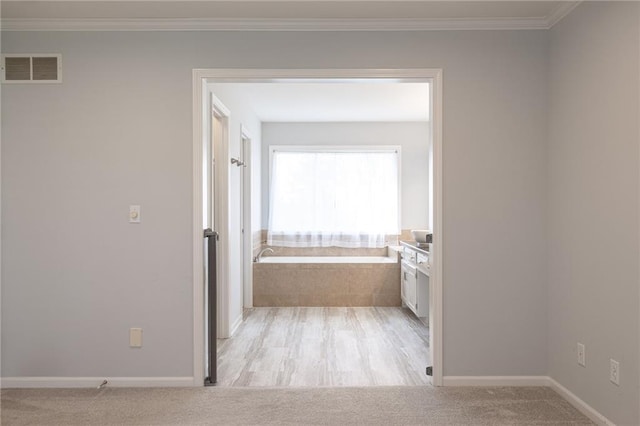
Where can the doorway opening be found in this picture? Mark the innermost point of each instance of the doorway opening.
(236, 251)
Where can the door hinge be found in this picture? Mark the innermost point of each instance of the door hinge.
(429, 371)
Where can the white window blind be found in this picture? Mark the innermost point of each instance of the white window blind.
(342, 198)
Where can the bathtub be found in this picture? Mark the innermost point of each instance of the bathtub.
(327, 259)
(326, 281)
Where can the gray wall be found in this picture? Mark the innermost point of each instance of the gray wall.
(76, 275)
(593, 205)
(413, 139)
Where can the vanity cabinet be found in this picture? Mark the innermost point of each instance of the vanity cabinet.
(414, 279)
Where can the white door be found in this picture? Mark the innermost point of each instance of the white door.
(245, 212)
(208, 220)
(217, 132)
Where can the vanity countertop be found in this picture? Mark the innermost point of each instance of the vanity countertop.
(414, 246)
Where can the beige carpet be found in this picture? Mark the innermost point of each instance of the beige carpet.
(288, 406)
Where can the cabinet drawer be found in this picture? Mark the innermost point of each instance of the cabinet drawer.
(423, 264)
(409, 255)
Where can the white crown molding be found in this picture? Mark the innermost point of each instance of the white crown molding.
(297, 24)
(206, 24)
(561, 11)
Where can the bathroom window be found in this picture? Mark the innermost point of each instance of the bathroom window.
(333, 196)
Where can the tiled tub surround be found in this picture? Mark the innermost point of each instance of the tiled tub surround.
(307, 282)
(315, 276)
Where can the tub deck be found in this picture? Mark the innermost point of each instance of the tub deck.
(328, 259)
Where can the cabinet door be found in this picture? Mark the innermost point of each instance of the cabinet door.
(422, 295)
(408, 287)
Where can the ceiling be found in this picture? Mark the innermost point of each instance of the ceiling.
(280, 15)
(333, 102)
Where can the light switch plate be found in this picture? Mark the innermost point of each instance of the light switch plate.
(134, 214)
(135, 337)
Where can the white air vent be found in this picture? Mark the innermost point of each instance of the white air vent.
(22, 68)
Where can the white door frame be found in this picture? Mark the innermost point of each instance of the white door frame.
(220, 221)
(218, 153)
(201, 78)
(246, 151)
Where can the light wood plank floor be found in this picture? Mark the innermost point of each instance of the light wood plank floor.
(368, 346)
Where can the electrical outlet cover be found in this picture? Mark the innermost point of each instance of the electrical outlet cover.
(614, 372)
(581, 355)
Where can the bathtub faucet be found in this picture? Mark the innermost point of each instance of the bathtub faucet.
(259, 256)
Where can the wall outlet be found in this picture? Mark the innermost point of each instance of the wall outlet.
(581, 354)
(135, 337)
(614, 372)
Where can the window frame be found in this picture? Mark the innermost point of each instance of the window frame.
(364, 149)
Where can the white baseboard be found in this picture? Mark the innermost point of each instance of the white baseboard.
(582, 406)
(578, 403)
(495, 381)
(236, 324)
(94, 382)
